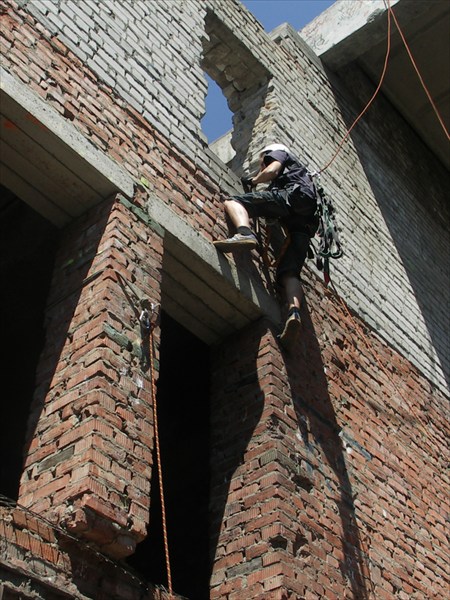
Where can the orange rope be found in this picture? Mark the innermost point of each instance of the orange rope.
(418, 74)
(390, 13)
(386, 59)
(158, 460)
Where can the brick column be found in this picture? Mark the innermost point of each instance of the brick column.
(88, 462)
(255, 470)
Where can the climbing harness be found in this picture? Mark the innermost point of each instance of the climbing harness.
(327, 233)
(329, 245)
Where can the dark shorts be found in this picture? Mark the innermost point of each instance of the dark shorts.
(264, 204)
(272, 204)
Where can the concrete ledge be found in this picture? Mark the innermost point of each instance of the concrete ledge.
(201, 287)
(47, 162)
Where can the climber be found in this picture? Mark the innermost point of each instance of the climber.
(289, 198)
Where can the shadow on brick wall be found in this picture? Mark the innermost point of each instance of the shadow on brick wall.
(324, 450)
(74, 260)
(242, 436)
(237, 402)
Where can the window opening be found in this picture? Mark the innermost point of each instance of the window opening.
(28, 246)
(244, 83)
(217, 120)
(183, 416)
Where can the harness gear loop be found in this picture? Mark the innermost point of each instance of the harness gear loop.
(330, 245)
(148, 323)
(327, 232)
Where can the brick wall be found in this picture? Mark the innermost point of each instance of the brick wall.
(379, 188)
(327, 464)
(90, 432)
(111, 123)
(329, 479)
(127, 48)
(47, 555)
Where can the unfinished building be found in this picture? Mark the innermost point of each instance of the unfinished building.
(317, 473)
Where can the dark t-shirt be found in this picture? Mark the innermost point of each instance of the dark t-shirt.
(292, 173)
(299, 190)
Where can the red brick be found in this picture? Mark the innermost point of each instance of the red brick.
(402, 462)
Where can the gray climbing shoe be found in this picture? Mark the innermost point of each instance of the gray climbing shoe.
(238, 240)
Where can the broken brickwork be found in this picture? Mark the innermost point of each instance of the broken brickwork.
(90, 450)
(326, 464)
(37, 557)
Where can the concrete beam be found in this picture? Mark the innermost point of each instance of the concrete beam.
(47, 161)
(346, 30)
(202, 287)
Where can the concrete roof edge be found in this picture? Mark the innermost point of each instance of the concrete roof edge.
(338, 35)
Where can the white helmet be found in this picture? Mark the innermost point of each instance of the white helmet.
(272, 147)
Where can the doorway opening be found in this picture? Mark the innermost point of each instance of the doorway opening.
(183, 418)
(28, 244)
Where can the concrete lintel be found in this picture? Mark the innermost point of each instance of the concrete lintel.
(68, 153)
(209, 276)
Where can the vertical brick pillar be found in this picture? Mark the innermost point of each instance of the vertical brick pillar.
(254, 469)
(88, 462)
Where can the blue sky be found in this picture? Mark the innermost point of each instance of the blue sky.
(270, 13)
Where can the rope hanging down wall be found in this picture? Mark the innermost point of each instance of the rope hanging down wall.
(390, 14)
(148, 320)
